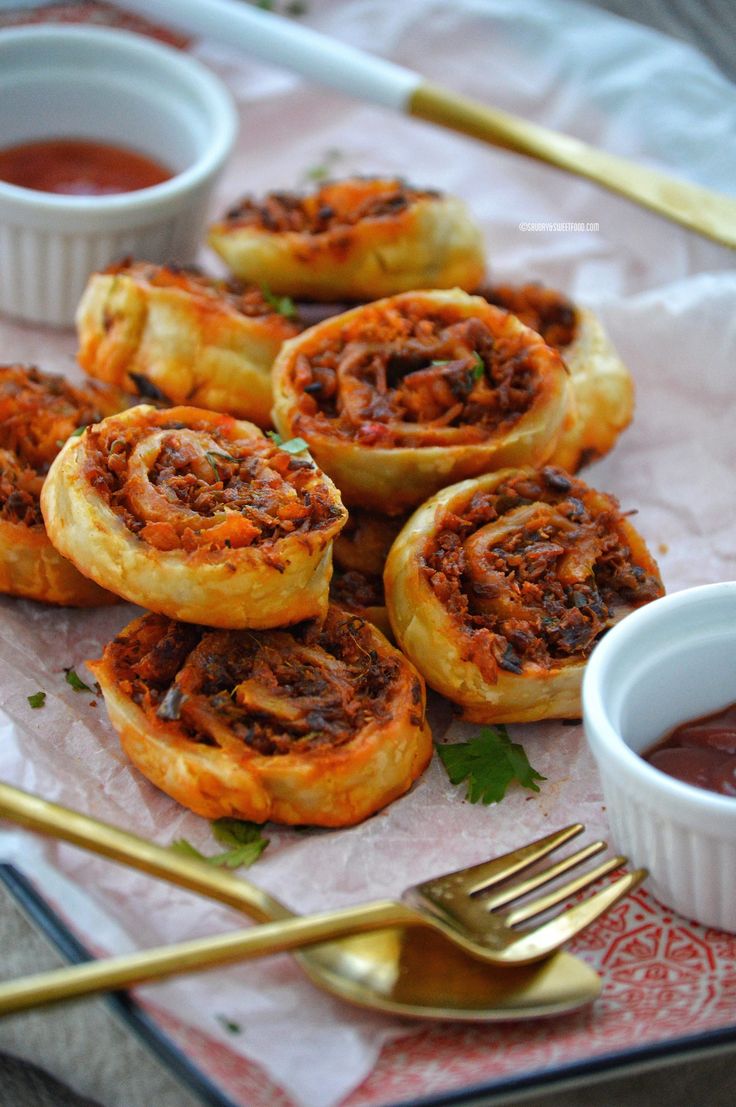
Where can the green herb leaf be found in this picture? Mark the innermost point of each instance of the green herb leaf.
(275, 437)
(489, 763)
(228, 1024)
(38, 699)
(478, 367)
(76, 682)
(78, 432)
(322, 170)
(284, 305)
(294, 446)
(212, 454)
(244, 840)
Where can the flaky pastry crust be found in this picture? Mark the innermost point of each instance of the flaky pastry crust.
(181, 336)
(318, 725)
(498, 589)
(601, 384)
(352, 239)
(196, 515)
(406, 395)
(38, 412)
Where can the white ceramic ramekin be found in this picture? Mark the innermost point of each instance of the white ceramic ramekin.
(672, 660)
(122, 89)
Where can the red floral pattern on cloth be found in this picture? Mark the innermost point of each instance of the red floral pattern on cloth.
(664, 979)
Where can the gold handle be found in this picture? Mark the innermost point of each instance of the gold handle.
(709, 213)
(98, 837)
(193, 956)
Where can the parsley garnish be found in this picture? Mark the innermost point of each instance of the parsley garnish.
(478, 367)
(76, 682)
(38, 699)
(322, 170)
(228, 1024)
(292, 445)
(244, 841)
(284, 305)
(489, 763)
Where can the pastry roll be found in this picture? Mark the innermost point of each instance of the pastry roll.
(359, 556)
(601, 383)
(38, 412)
(498, 589)
(404, 396)
(196, 515)
(353, 239)
(177, 335)
(320, 725)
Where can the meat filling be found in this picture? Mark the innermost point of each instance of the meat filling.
(272, 692)
(546, 311)
(535, 571)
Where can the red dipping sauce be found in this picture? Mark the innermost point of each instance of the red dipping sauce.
(700, 751)
(76, 167)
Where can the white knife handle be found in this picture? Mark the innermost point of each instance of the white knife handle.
(289, 45)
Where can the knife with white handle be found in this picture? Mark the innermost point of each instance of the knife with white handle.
(292, 46)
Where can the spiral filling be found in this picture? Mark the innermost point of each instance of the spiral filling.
(406, 375)
(545, 310)
(195, 487)
(535, 571)
(272, 692)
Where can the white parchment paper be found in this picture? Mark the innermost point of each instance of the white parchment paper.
(668, 298)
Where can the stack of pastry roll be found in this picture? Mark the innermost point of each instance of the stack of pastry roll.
(38, 413)
(243, 692)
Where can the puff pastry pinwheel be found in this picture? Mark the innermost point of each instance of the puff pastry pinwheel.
(38, 412)
(601, 383)
(406, 395)
(320, 724)
(175, 334)
(195, 515)
(352, 239)
(499, 587)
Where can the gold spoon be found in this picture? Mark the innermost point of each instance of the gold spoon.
(365, 76)
(407, 971)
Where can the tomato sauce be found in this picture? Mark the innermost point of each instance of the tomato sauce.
(700, 751)
(78, 167)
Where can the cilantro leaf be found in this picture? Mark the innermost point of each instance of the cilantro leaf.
(478, 368)
(76, 682)
(244, 841)
(284, 305)
(489, 763)
(38, 699)
(294, 446)
(275, 437)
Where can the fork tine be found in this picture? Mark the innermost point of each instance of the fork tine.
(545, 939)
(565, 891)
(478, 877)
(520, 888)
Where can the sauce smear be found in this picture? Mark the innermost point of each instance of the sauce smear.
(700, 751)
(77, 167)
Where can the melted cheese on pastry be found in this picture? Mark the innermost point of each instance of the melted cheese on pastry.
(196, 515)
(317, 725)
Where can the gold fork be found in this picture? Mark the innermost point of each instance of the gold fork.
(452, 904)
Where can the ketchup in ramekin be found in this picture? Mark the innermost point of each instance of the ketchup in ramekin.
(700, 751)
(79, 167)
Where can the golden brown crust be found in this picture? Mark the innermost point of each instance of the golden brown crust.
(38, 412)
(177, 334)
(499, 587)
(601, 383)
(319, 726)
(406, 395)
(196, 515)
(354, 239)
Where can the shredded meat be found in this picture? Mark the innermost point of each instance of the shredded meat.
(38, 412)
(414, 376)
(270, 691)
(546, 311)
(196, 487)
(332, 206)
(535, 571)
(356, 591)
